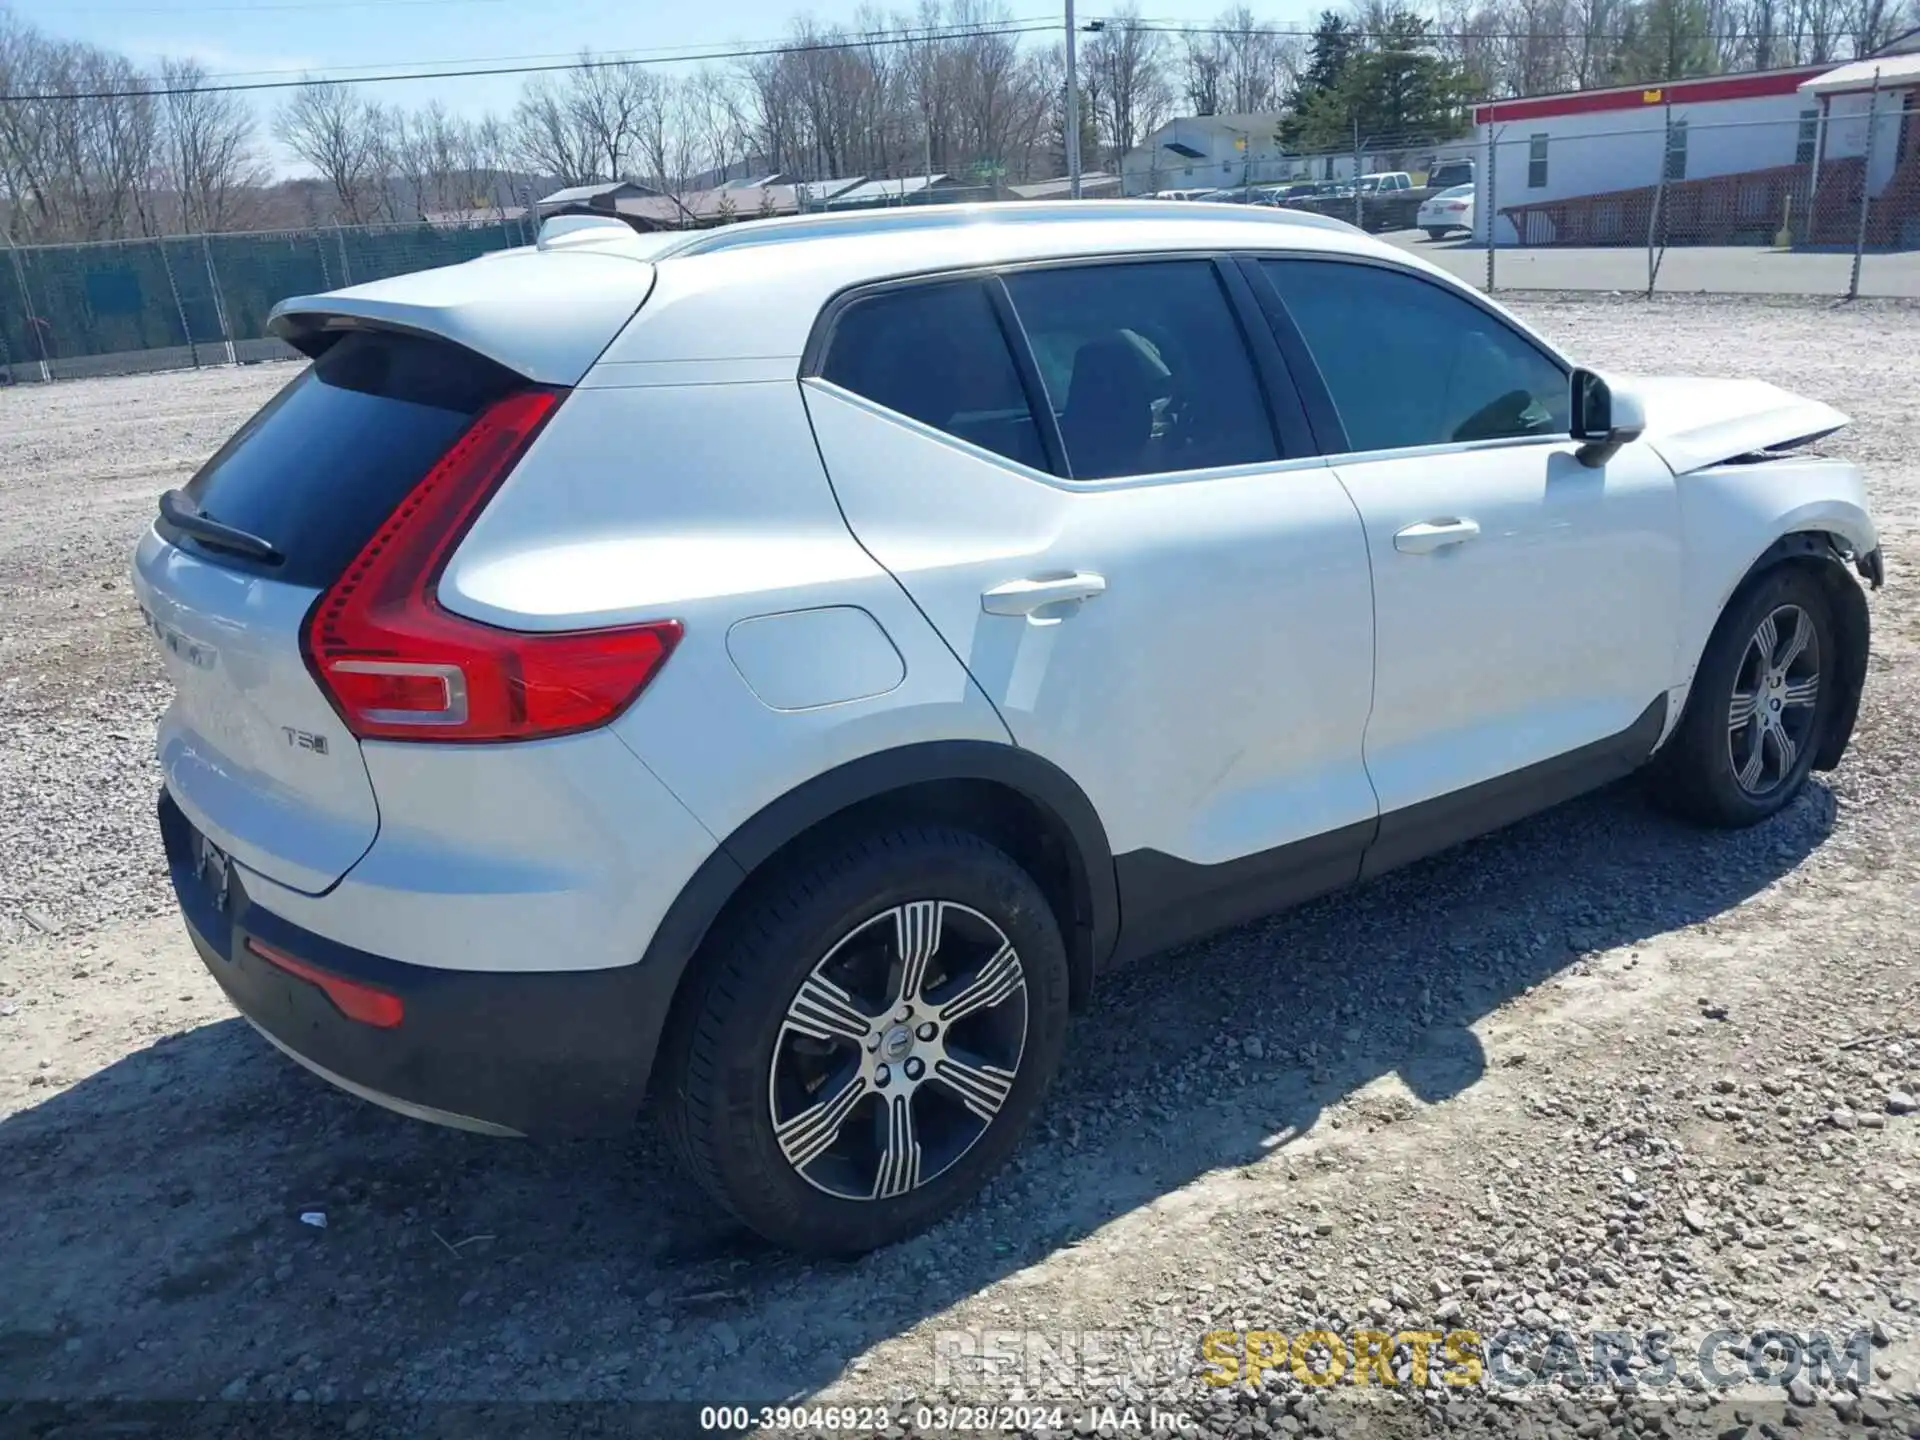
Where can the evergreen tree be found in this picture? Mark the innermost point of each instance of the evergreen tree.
(1397, 88)
(1666, 40)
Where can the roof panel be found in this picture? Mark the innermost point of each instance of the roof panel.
(1893, 70)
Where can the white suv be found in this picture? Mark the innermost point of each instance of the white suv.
(782, 668)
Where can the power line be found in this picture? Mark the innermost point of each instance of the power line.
(252, 9)
(1291, 32)
(862, 42)
(659, 54)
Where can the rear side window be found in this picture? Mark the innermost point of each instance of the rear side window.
(1145, 367)
(937, 354)
(327, 460)
(1408, 363)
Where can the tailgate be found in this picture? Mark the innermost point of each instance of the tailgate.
(250, 748)
(253, 749)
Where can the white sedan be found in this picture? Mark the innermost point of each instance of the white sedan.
(1449, 210)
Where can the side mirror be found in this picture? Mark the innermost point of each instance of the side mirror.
(1604, 419)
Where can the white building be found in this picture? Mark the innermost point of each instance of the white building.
(1211, 152)
(1733, 158)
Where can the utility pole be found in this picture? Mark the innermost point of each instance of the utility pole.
(1073, 109)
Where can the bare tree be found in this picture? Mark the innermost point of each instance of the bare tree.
(1127, 76)
(547, 136)
(608, 103)
(667, 141)
(1203, 68)
(343, 138)
(211, 165)
(1872, 23)
(1256, 65)
(79, 169)
(712, 108)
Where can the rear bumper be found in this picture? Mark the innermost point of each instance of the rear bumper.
(547, 1052)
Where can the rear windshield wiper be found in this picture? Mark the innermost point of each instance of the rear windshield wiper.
(178, 510)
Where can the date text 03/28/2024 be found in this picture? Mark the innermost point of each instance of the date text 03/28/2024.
(943, 1419)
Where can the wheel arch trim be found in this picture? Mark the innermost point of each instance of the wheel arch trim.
(1818, 544)
(755, 841)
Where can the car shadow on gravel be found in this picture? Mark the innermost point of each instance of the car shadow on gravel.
(155, 1207)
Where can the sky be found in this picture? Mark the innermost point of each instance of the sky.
(254, 39)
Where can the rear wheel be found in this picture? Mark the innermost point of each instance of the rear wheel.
(867, 1043)
(1436, 232)
(1760, 705)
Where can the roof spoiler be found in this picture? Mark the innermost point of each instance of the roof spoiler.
(546, 316)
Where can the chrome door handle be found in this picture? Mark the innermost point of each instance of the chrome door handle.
(1431, 535)
(1023, 597)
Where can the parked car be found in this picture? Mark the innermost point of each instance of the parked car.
(1388, 200)
(786, 667)
(1293, 193)
(1448, 211)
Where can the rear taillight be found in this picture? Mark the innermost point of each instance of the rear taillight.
(398, 666)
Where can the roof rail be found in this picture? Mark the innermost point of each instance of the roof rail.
(999, 212)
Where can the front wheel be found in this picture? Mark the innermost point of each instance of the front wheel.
(1761, 703)
(867, 1043)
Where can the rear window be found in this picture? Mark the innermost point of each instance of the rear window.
(327, 460)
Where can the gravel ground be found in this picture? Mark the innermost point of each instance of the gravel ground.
(1596, 1073)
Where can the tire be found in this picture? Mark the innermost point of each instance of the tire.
(1434, 233)
(1719, 770)
(759, 1074)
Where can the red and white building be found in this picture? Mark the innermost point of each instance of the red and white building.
(1731, 159)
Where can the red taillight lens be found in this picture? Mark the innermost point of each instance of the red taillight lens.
(399, 667)
(352, 998)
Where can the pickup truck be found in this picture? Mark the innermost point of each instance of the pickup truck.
(1389, 200)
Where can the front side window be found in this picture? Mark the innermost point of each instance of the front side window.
(1409, 363)
(937, 354)
(1537, 163)
(1145, 367)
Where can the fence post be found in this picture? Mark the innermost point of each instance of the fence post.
(346, 270)
(219, 304)
(1866, 184)
(173, 285)
(35, 323)
(1359, 214)
(1655, 215)
(320, 248)
(1492, 213)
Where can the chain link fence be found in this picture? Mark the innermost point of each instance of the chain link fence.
(1822, 200)
(1823, 203)
(184, 301)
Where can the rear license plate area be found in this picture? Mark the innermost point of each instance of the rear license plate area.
(203, 878)
(213, 870)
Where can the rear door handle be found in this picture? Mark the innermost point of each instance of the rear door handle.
(1431, 535)
(1023, 597)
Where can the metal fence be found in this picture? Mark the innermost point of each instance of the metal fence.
(1825, 201)
(191, 300)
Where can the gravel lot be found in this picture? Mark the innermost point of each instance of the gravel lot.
(1597, 1072)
